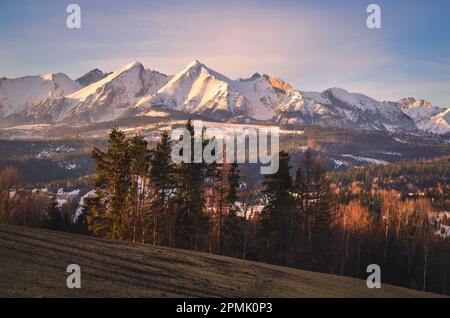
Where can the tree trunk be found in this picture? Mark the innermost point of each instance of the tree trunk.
(425, 267)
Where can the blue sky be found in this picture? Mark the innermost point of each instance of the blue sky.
(313, 45)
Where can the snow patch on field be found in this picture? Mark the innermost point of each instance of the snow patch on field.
(390, 153)
(155, 113)
(52, 152)
(368, 160)
(230, 126)
(67, 165)
(340, 163)
(400, 140)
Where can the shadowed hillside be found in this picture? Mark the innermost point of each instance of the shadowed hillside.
(33, 264)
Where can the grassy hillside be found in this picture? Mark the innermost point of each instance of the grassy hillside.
(33, 264)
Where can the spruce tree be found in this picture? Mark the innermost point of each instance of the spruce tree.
(109, 213)
(277, 223)
(303, 191)
(323, 221)
(233, 225)
(219, 194)
(162, 188)
(140, 161)
(192, 223)
(314, 213)
(233, 184)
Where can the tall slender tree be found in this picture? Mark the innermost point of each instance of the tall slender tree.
(192, 224)
(140, 161)
(277, 218)
(112, 181)
(233, 224)
(323, 218)
(9, 183)
(162, 187)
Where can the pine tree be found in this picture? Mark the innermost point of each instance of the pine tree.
(140, 161)
(277, 223)
(233, 225)
(303, 190)
(233, 184)
(54, 218)
(232, 234)
(248, 197)
(99, 219)
(323, 221)
(162, 187)
(313, 212)
(9, 183)
(218, 199)
(109, 213)
(192, 223)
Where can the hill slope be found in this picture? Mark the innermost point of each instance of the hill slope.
(33, 264)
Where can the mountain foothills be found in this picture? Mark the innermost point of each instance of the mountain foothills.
(134, 90)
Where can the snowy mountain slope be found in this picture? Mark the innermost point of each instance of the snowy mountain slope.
(438, 124)
(16, 94)
(201, 90)
(426, 116)
(340, 108)
(108, 98)
(265, 93)
(198, 89)
(91, 77)
(418, 109)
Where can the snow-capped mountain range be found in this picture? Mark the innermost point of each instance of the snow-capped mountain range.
(134, 90)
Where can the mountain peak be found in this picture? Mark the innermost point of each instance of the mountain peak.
(337, 90)
(91, 77)
(53, 76)
(194, 68)
(255, 76)
(127, 71)
(411, 102)
(194, 64)
(130, 66)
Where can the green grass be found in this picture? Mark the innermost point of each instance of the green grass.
(33, 263)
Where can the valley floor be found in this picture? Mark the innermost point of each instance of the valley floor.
(33, 263)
